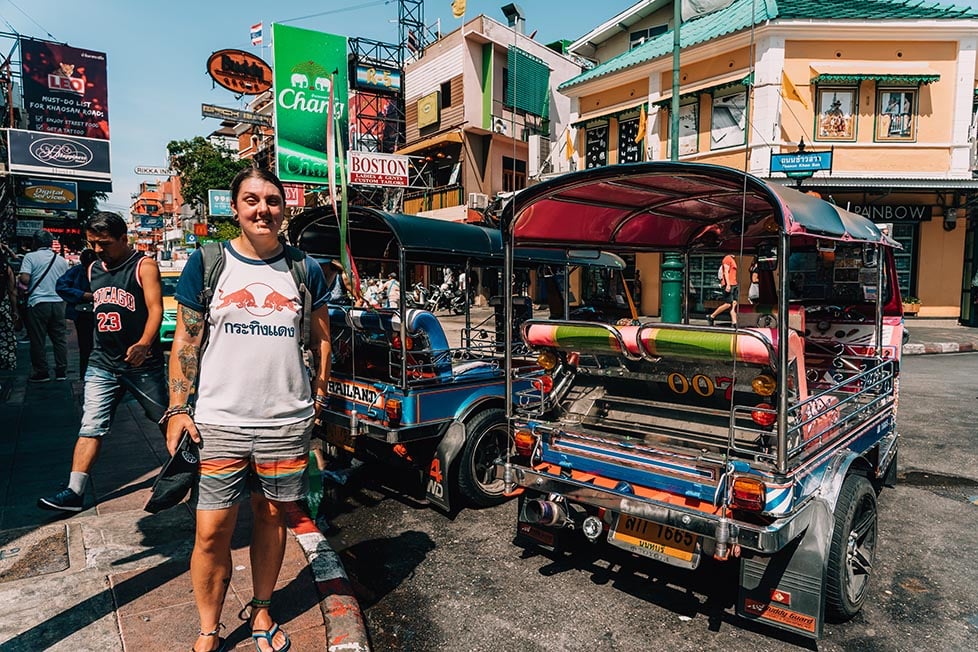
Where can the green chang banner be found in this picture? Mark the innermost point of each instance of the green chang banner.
(307, 65)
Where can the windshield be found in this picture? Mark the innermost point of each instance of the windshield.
(833, 277)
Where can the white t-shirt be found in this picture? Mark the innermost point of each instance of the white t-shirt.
(34, 264)
(251, 370)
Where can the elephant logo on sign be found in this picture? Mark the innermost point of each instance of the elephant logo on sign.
(299, 80)
(322, 84)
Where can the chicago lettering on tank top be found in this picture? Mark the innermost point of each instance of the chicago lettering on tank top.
(120, 314)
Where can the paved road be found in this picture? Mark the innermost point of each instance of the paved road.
(429, 582)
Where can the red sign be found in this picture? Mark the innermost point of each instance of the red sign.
(240, 72)
(295, 195)
(200, 229)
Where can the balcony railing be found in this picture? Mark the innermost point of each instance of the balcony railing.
(433, 199)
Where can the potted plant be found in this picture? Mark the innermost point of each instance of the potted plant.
(911, 305)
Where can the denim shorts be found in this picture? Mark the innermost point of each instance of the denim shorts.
(235, 461)
(104, 390)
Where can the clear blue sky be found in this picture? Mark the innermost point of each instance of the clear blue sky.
(157, 52)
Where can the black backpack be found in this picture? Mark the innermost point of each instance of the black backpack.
(213, 259)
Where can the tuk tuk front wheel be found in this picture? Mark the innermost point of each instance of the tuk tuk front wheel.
(853, 551)
(487, 439)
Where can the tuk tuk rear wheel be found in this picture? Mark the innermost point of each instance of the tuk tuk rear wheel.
(487, 439)
(853, 551)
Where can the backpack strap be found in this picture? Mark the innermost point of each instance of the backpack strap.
(212, 264)
(296, 260)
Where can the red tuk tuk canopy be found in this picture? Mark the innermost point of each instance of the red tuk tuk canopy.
(664, 205)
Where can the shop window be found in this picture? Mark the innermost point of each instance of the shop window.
(630, 149)
(896, 114)
(728, 127)
(596, 146)
(688, 128)
(906, 235)
(704, 288)
(836, 118)
(514, 174)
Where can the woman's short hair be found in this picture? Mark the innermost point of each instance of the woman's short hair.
(256, 173)
(107, 222)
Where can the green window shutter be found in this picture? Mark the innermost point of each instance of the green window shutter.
(529, 83)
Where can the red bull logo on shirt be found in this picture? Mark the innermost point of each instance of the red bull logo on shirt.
(256, 299)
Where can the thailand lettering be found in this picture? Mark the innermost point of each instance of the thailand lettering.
(259, 329)
(356, 393)
(114, 296)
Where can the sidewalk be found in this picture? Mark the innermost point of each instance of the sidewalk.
(939, 336)
(115, 577)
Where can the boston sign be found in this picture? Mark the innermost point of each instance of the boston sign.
(35, 152)
(373, 169)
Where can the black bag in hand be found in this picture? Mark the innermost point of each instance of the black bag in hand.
(176, 478)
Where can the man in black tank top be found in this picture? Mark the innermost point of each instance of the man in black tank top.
(127, 356)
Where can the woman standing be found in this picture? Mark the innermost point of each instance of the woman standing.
(254, 408)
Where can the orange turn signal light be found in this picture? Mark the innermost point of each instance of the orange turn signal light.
(748, 493)
(547, 360)
(764, 385)
(524, 441)
(393, 409)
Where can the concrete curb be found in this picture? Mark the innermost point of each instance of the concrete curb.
(938, 347)
(345, 629)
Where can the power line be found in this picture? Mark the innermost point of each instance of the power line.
(30, 18)
(364, 5)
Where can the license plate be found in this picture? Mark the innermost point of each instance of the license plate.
(339, 436)
(657, 541)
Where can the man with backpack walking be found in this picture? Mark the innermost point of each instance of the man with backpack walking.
(128, 309)
(39, 273)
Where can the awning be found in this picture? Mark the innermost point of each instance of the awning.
(862, 183)
(447, 137)
(902, 73)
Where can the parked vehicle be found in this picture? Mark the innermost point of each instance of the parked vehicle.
(765, 444)
(405, 389)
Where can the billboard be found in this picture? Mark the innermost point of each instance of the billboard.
(219, 203)
(34, 152)
(65, 89)
(46, 194)
(307, 65)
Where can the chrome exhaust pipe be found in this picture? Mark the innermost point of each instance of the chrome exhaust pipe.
(545, 512)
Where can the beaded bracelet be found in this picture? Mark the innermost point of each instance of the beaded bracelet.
(174, 410)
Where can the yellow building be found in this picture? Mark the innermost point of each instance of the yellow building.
(881, 94)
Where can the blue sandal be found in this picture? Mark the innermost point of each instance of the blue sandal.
(268, 635)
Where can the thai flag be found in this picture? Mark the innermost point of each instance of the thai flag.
(256, 34)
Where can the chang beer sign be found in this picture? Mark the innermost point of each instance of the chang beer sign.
(307, 65)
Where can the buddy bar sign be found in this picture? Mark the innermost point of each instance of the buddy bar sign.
(310, 72)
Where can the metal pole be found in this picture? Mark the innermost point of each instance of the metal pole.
(677, 19)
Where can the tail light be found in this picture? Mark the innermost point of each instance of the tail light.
(764, 385)
(543, 383)
(764, 415)
(524, 441)
(748, 493)
(396, 342)
(393, 410)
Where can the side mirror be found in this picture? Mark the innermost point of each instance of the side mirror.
(767, 257)
(870, 255)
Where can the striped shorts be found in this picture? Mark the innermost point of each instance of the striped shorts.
(235, 461)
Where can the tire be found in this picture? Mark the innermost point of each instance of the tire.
(487, 439)
(853, 549)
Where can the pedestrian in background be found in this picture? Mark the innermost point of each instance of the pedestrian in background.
(76, 290)
(255, 405)
(9, 317)
(128, 309)
(727, 275)
(40, 272)
(392, 290)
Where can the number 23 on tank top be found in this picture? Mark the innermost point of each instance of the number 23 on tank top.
(109, 322)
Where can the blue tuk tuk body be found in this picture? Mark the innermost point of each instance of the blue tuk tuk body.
(764, 444)
(405, 387)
